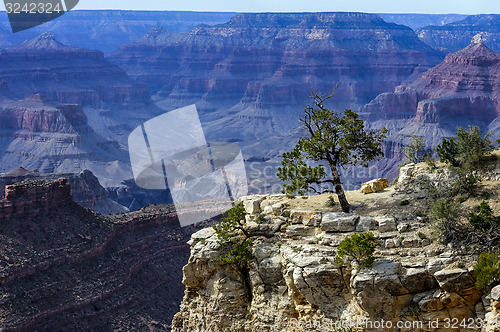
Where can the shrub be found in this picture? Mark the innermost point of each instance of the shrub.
(330, 201)
(415, 152)
(357, 247)
(487, 271)
(483, 220)
(468, 149)
(466, 181)
(404, 202)
(239, 254)
(239, 251)
(421, 235)
(446, 212)
(260, 218)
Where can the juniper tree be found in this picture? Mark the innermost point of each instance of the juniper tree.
(334, 140)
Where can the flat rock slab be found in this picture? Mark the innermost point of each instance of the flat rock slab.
(341, 223)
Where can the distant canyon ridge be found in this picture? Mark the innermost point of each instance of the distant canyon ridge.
(65, 108)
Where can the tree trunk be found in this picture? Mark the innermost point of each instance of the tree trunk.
(339, 190)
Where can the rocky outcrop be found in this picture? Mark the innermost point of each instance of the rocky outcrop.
(374, 186)
(28, 199)
(85, 188)
(65, 267)
(454, 36)
(295, 280)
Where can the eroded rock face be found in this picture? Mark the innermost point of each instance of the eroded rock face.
(459, 91)
(65, 109)
(251, 75)
(456, 35)
(66, 267)
(85, 188)
(295, 277)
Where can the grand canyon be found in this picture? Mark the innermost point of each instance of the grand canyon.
(85, 248)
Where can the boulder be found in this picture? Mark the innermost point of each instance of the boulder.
(252, 203)
(366, 224)
(306, 217)
(406, 172)
(386, 224)
(374, 186)
(339, 222)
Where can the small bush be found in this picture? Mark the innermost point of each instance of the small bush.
(260, 218)
(468, 149)
(415, 152)
(422, 236)
(239, 251)
(286, 213)
(330, 201)
(485, 194)
(357, 247)
(446, 212)
(239, 254)
(466, 182)
(484, 220)
(487, 271)
(404, 202)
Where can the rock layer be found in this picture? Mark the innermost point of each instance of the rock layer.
(461, 91)
(295, 280)
(65, 267)
(456, 35)
(85, 188)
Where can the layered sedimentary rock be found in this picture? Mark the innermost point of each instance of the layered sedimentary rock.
(106, 30)
(454, 36)
(294, 281)
(461, 91)
(65, 267)
(416, 21)
(252, 74)
(66, 109)
(251, 77)
(85, 188)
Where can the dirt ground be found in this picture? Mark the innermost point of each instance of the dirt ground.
(392, 203)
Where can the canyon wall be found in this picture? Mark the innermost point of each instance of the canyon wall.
(65, 267)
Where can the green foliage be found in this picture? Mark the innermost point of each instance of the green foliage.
(239, 252)
(448, 152)
(358, 247)
(330, 201)
(484, 220)
(467, 150)
(446, 211)
(333, 138)
(232, 219)
(415, 152)
(260, 218)
(466, 181)
(421, 235)
(487, 271)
